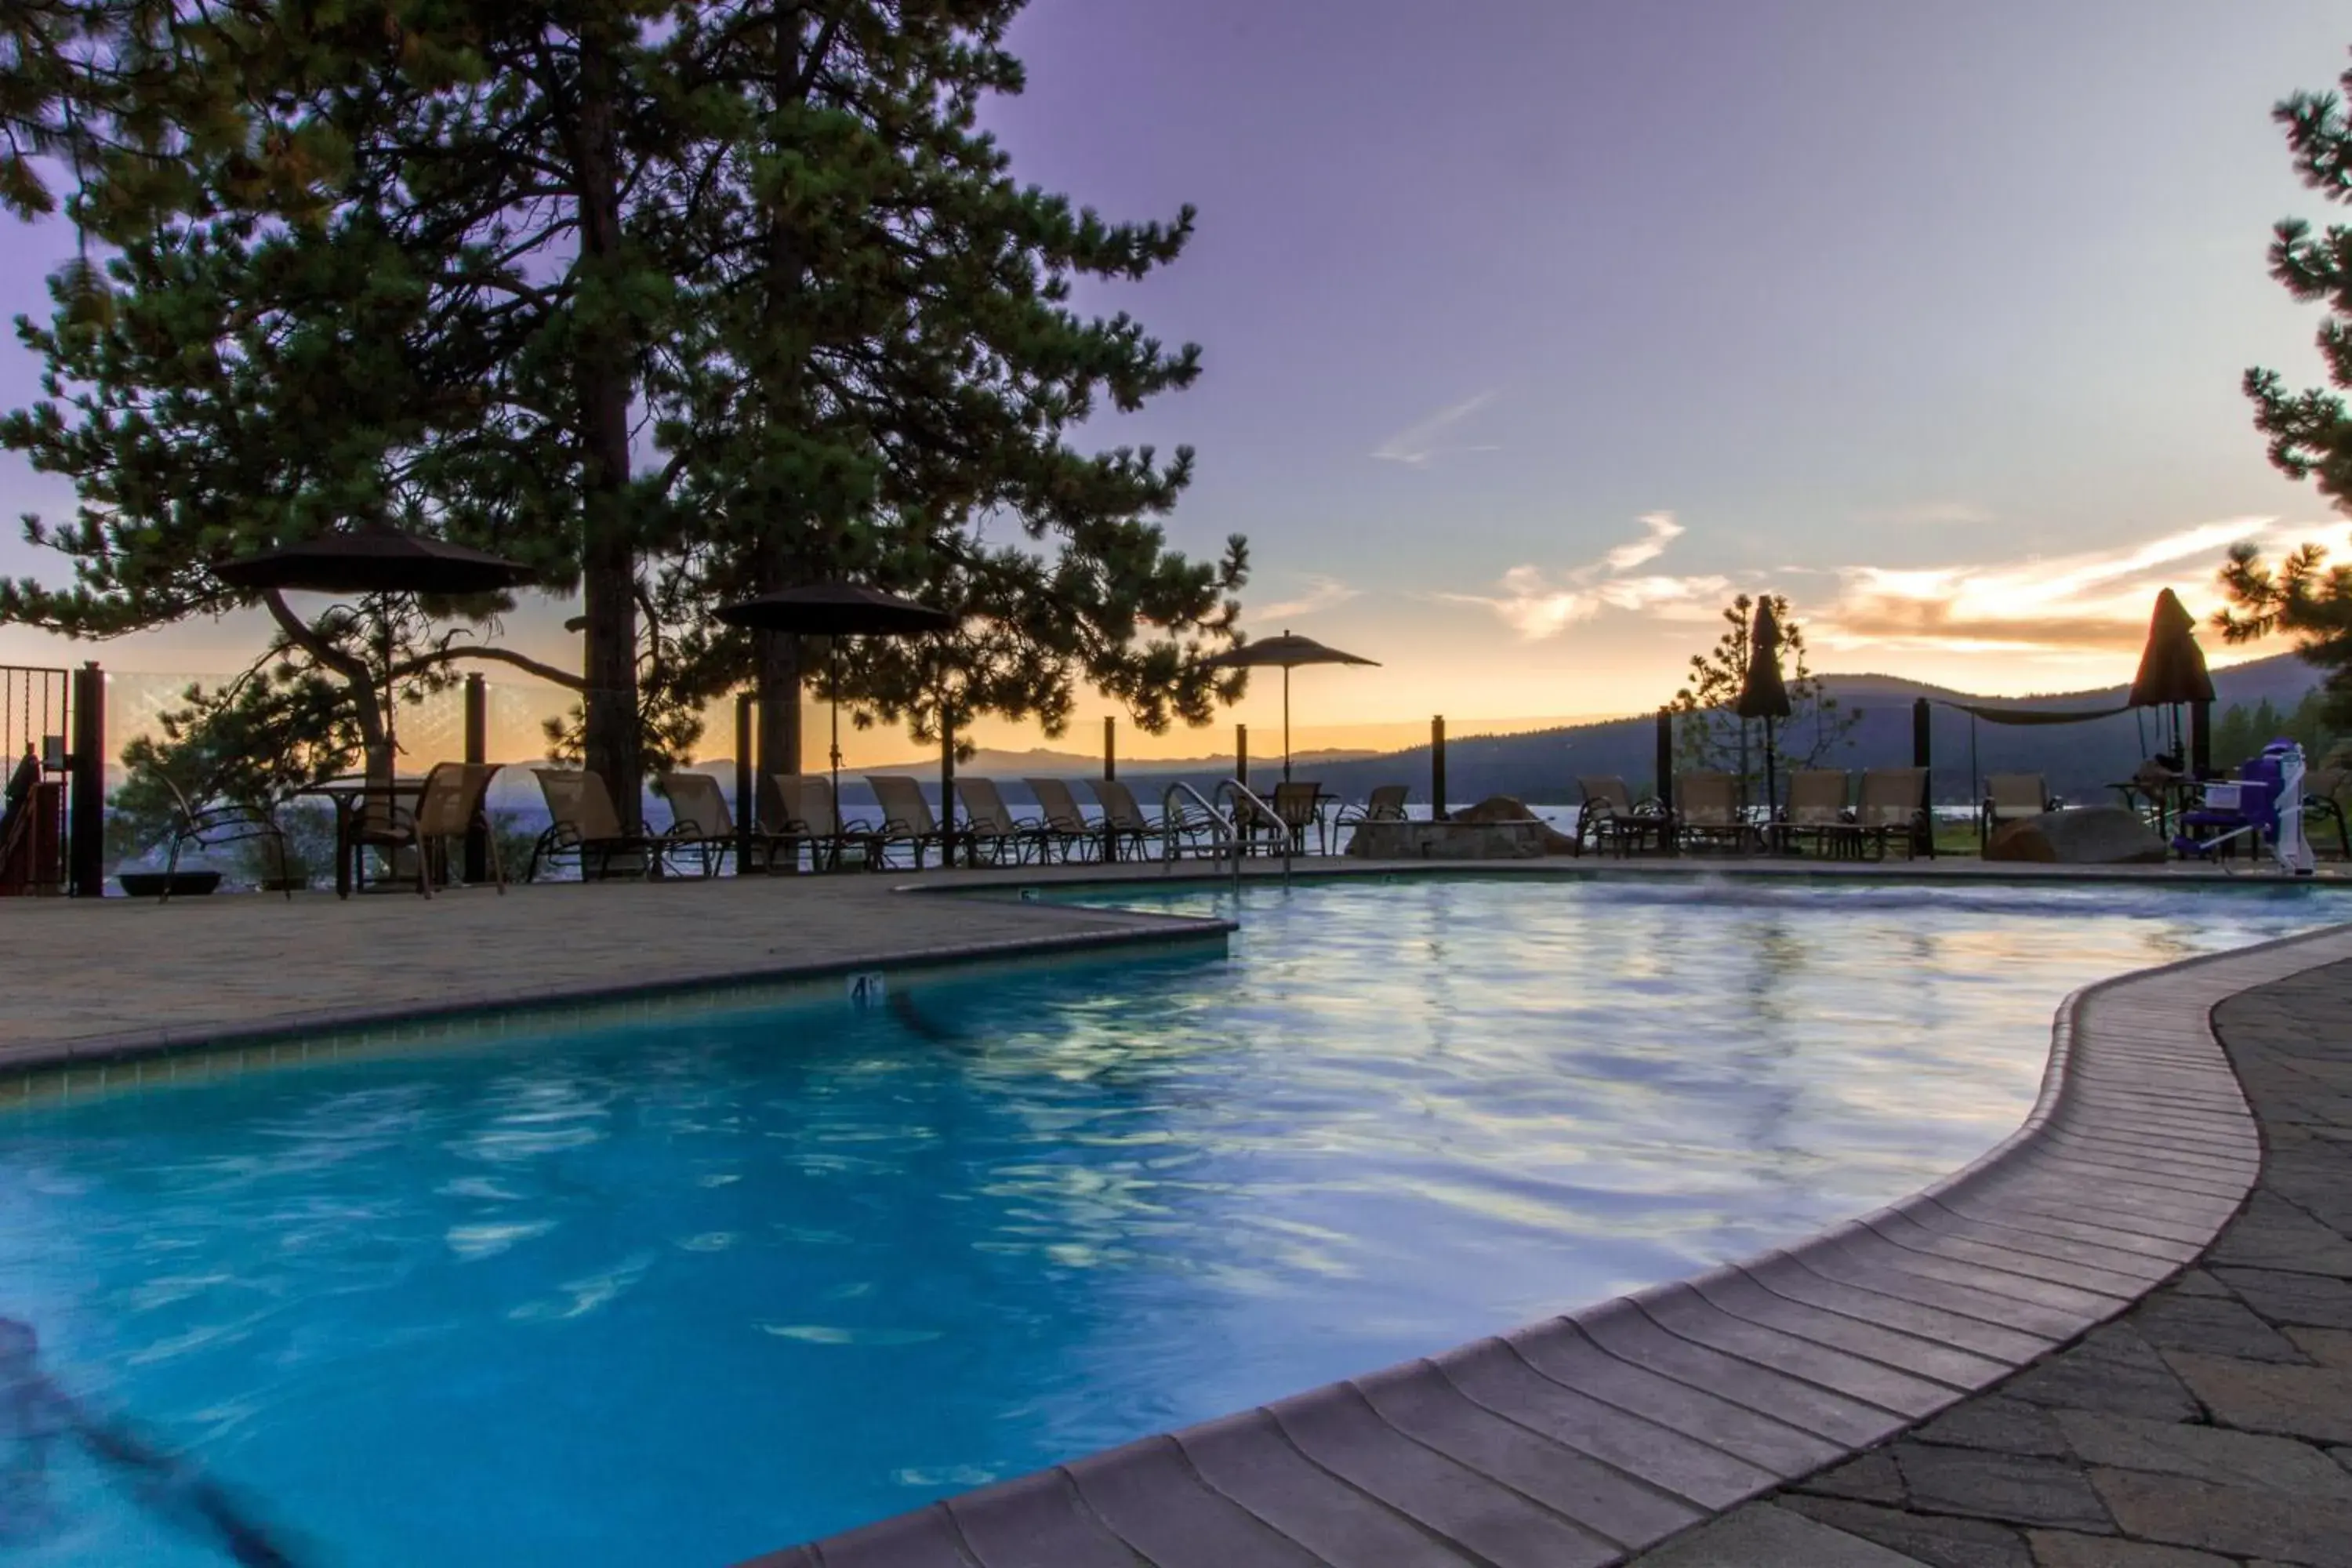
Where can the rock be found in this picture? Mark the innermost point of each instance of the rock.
(2080, 835)
(1503, 808)
(1448, 841)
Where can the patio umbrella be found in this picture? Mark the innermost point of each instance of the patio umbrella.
(374, 560)
(1289, 651)
(2171, 666)
(838, 610)
(1763, 694)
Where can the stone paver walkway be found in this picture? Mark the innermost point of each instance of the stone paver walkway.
(105, 977)
(2211, 1425)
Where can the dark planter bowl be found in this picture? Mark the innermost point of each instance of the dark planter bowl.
(183, 884)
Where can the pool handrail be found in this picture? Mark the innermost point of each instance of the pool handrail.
(1222, 826)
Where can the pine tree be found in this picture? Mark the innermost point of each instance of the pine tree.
(885, 367)
(2310, 432)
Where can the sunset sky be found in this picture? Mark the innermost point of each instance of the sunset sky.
(1535, 329)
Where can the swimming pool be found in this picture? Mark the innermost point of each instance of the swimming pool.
(686, 1291)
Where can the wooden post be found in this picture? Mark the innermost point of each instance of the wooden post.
(947, 791)
(747, 794)
(1664, 761)
(85, 791)
(477, 751)
(1924, 833)
(1241, 755)
(1110, 772)
(1437, 769)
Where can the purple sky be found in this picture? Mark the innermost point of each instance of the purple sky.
(1931, 318)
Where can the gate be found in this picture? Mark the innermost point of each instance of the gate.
(52, 811)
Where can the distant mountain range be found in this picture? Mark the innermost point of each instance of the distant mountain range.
(2079, 762)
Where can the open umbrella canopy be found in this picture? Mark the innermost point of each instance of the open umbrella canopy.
(2172, 666)
(1763, 694)
(1289, 651)
(836, 609)
(376, 560)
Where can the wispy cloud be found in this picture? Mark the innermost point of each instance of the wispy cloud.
(2090, 601)
(1322, 594)
(1537, 603)
(1924, 514)
(1415, 444)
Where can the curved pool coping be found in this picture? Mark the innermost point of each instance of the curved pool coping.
(1584, 1438)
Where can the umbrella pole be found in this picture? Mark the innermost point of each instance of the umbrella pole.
(833, 679)
(1286, 724)
(1771, 785)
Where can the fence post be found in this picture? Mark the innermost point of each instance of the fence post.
(1924, 833)
(1241, 755)
(86, 788)
(478, 752)
(1437, 768)
(747, 800)
(1664, 761)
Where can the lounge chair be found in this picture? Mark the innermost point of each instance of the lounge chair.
(1123, 818)
(1817, 809)
(587, 828)
(2011, 798)
(806, 812)
(210, 826)
(1609, 815)
(1063, 824)
(453, 801)
(1386, 804)
(1707, 811)
(906, 819)
(1297, 807)
(990, 822)
(1893, 802)
(700, 819)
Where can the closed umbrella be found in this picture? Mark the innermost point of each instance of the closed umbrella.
(838, 610)
(374, 560)
(2171, 666)
(1287, 651)
(1764, 695)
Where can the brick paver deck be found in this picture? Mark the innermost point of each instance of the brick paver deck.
(2210, 1425)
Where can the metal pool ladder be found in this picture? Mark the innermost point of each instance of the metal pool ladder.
(1223, 825)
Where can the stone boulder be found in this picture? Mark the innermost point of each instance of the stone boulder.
(2080, 835)
(1503, 808)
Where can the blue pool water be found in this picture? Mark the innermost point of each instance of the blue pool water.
(685, 1292)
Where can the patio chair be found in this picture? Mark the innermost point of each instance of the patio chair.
(806, 812)
(2011, 798)
(1609, 815)
(1817, 809)
(1298, 806)
(1707, 811)
(989, 822)
(1063, 824)
(1385, 804)
(587, 828)
(1123, 820)
(1893, 802)
(700, 819)
(906, 819)
(210, 826)
(452, 802)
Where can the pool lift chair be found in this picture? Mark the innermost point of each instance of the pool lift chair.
(2248, 807)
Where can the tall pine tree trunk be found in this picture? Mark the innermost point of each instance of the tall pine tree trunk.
(781, 547)
(611, 738)
(780, 703)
